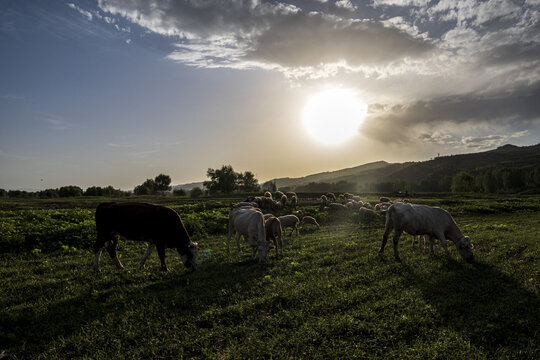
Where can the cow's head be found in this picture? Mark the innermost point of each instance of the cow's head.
(464, 248)
(190, 257)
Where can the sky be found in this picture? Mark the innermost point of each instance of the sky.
(113, 92)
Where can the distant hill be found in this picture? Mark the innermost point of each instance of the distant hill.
(440, 169)
(188, 187)
(367, 171)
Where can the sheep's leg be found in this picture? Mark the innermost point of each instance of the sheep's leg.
(280, 242)
(296, 228)
(161, 254)
(151, 248)
(397, 235)
(229, 238)
(111, 249)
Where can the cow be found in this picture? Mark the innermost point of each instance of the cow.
(425, 220)
(249, 222)
(159, 225)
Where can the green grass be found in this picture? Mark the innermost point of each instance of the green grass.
(331, 296)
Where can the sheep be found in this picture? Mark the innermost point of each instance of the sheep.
(268, 194)
(274, 232)
(290, 194)
(384, 200)
(278, 194)
(331, 196)
(310, 220)
(283, 201)
(294, 201)
(289, 221)
(337, 207)
(420, 220)
(268, 216)
(324, 200)
(356, 198)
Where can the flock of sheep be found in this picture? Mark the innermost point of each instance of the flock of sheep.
(264, 230)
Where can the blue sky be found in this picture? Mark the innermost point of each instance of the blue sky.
(113, 92)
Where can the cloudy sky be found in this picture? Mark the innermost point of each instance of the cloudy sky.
(112, 92)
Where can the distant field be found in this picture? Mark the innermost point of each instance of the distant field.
(331, 296)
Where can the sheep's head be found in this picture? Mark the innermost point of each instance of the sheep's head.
(464, 248)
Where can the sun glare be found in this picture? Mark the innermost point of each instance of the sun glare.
(333, 116)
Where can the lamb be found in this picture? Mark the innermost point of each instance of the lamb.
(273, 232)
(420, 220)
(310, 220)
(248, 222)
(289, 221)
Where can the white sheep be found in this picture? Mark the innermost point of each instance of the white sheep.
(310, 220)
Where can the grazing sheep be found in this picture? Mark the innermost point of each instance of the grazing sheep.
(274, 232)
(294, 201)
(331, 196)
(356, 198)
(268, 194)
(421, 220)
(324, 200)
(249, 223)
(278, 195)
(291, 221)
(310, 220)
(384, 200)
(283, 201)
(290, 194)
(337, 207)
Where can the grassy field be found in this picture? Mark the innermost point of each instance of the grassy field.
(331, 296)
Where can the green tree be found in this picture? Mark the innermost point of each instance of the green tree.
(70, 191)
(221, 180)
(179, 192)
(3, 193)
(196, 192)
(162, 183)
(462, 182)
(146, 188)
(246, 182)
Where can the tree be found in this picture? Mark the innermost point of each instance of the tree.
(3, 193)
(196, 192)
(146, 188)
(162, 183)
(221, 180)
(70, 191)
(179, 192)
(247, 182)
(462, 182)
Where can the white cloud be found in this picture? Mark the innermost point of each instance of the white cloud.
(81, 11)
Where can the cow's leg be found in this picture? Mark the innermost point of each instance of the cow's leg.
(151, 248)
(111, 249)
(161, 254)
(387, 232)
(397, 235)
(441, 237)
(98, 248)
(238, 241)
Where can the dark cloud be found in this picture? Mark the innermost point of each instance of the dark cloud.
(309, 40)
(403, 123)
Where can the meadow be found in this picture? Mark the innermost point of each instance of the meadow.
(330, 296)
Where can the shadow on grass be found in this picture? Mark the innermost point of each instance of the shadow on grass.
(486, 306)
(27, 331)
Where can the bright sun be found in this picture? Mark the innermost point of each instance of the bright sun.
(333, 116)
